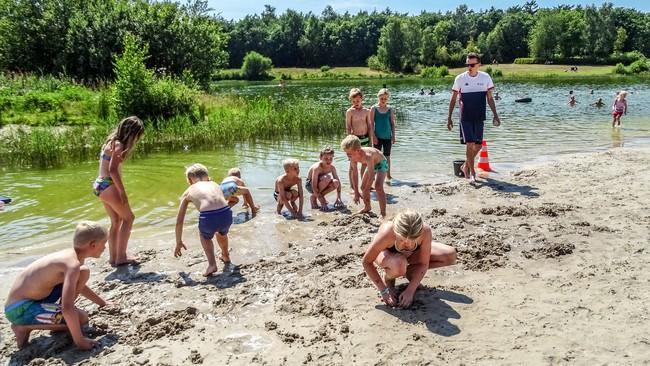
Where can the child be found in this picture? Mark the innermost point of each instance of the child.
(33, 301)
(598, 104)
(233, 186)
(404, 248)
(284, 193)
(383, 119)
(572, 101)
(377, 169)
(619, 107)
(322, 179)
(109, 187)
(215, 216)
(358, 123)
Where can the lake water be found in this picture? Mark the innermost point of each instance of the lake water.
(47, 203)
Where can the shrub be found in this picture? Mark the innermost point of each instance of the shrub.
(497, 73)
(374, 64)
(256, 66)
(620, 69)
(525, 60)
(103, 105)
(325, 68)
(639, 66)
(137, 92)
(443, 71)
(434, 72)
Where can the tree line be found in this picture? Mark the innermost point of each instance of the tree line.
(81, 38)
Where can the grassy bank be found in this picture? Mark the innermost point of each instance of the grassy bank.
(35, 135)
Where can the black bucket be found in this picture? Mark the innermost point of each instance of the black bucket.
(458, 171)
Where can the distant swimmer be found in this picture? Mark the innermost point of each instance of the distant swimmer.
(573, 101)
(431, 92)
(598, 104)
(496, 96)
(422, 91)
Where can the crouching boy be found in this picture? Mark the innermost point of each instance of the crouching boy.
(43, 296)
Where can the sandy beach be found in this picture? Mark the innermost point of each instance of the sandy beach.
(552, 270)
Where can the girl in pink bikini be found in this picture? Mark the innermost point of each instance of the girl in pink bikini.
(619, 108)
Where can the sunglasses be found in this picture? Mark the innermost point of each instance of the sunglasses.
(471, 65)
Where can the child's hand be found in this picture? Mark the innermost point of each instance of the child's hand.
(450, 124)
(393, 140)
(178, 250)
(338, 202)
(496, 121)
(389, 298)
(85, 343)
(357, 197)
(406, 298)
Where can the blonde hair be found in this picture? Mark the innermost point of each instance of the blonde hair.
(234, 172)
(88, 231)
(408, 224)
(128, 133)
(196, 171)
(355, 92)
(351, 142)
(622, 94)
(288, 163)
(383, 91)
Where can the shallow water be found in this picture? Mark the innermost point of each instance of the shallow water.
(47, 203)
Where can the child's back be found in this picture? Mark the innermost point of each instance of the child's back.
(206, 196)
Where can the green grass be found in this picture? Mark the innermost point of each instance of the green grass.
(221, 119)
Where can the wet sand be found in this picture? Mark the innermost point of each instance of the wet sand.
(552, 270)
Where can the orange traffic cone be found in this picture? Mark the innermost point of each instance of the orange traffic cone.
(483, 162)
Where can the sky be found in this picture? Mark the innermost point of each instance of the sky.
(230, 9)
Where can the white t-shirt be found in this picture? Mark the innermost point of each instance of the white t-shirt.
(473, 93)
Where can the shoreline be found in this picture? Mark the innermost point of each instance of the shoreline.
(551, 270)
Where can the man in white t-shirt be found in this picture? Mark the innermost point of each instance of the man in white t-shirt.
(474, 87)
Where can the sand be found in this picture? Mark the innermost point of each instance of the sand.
(552, 270)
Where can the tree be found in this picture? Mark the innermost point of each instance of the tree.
(256, 66)
(391, 45)
(621, 37)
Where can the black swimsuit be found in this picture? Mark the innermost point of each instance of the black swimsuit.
(393, 249)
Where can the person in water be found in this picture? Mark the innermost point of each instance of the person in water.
(598, 104)
(233, 186)
(404, 247)
(43, 296)
(215, 215)
(383, 118)
(108, 186)
(619, 108)
(285, 194)
(322, 179)
(377, 168)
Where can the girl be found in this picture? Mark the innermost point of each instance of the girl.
(109, 187)
(619, 108)
(384, 120)
(403, 248)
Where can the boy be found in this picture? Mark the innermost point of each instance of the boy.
(215, 216)
(233, 186)
(323, 179)
(358, 123)
(377, 167)
(284, 193)
(32, 301)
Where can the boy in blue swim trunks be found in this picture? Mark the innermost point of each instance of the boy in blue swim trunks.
(43, 295)
(377, 168)
(233, 186)
(215, 216)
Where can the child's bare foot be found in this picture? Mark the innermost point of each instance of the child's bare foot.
(314, 203)
(22, 335)
(255, 210)
(465, 170)
(210, 270)
(224, 258)
(323, 202)
(130, 260)
(362, 211)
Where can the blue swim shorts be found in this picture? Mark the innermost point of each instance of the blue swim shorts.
(33, 312)
(215, 221)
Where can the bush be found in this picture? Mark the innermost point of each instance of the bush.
(374, 64)
(639, 66)
(137, 92)
(525, 61)
(256, 66)
(620, 69)
(443, 71)
(434, 72)
(325, 68)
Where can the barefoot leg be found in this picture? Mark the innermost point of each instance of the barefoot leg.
(208, 248)
(222, 240)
